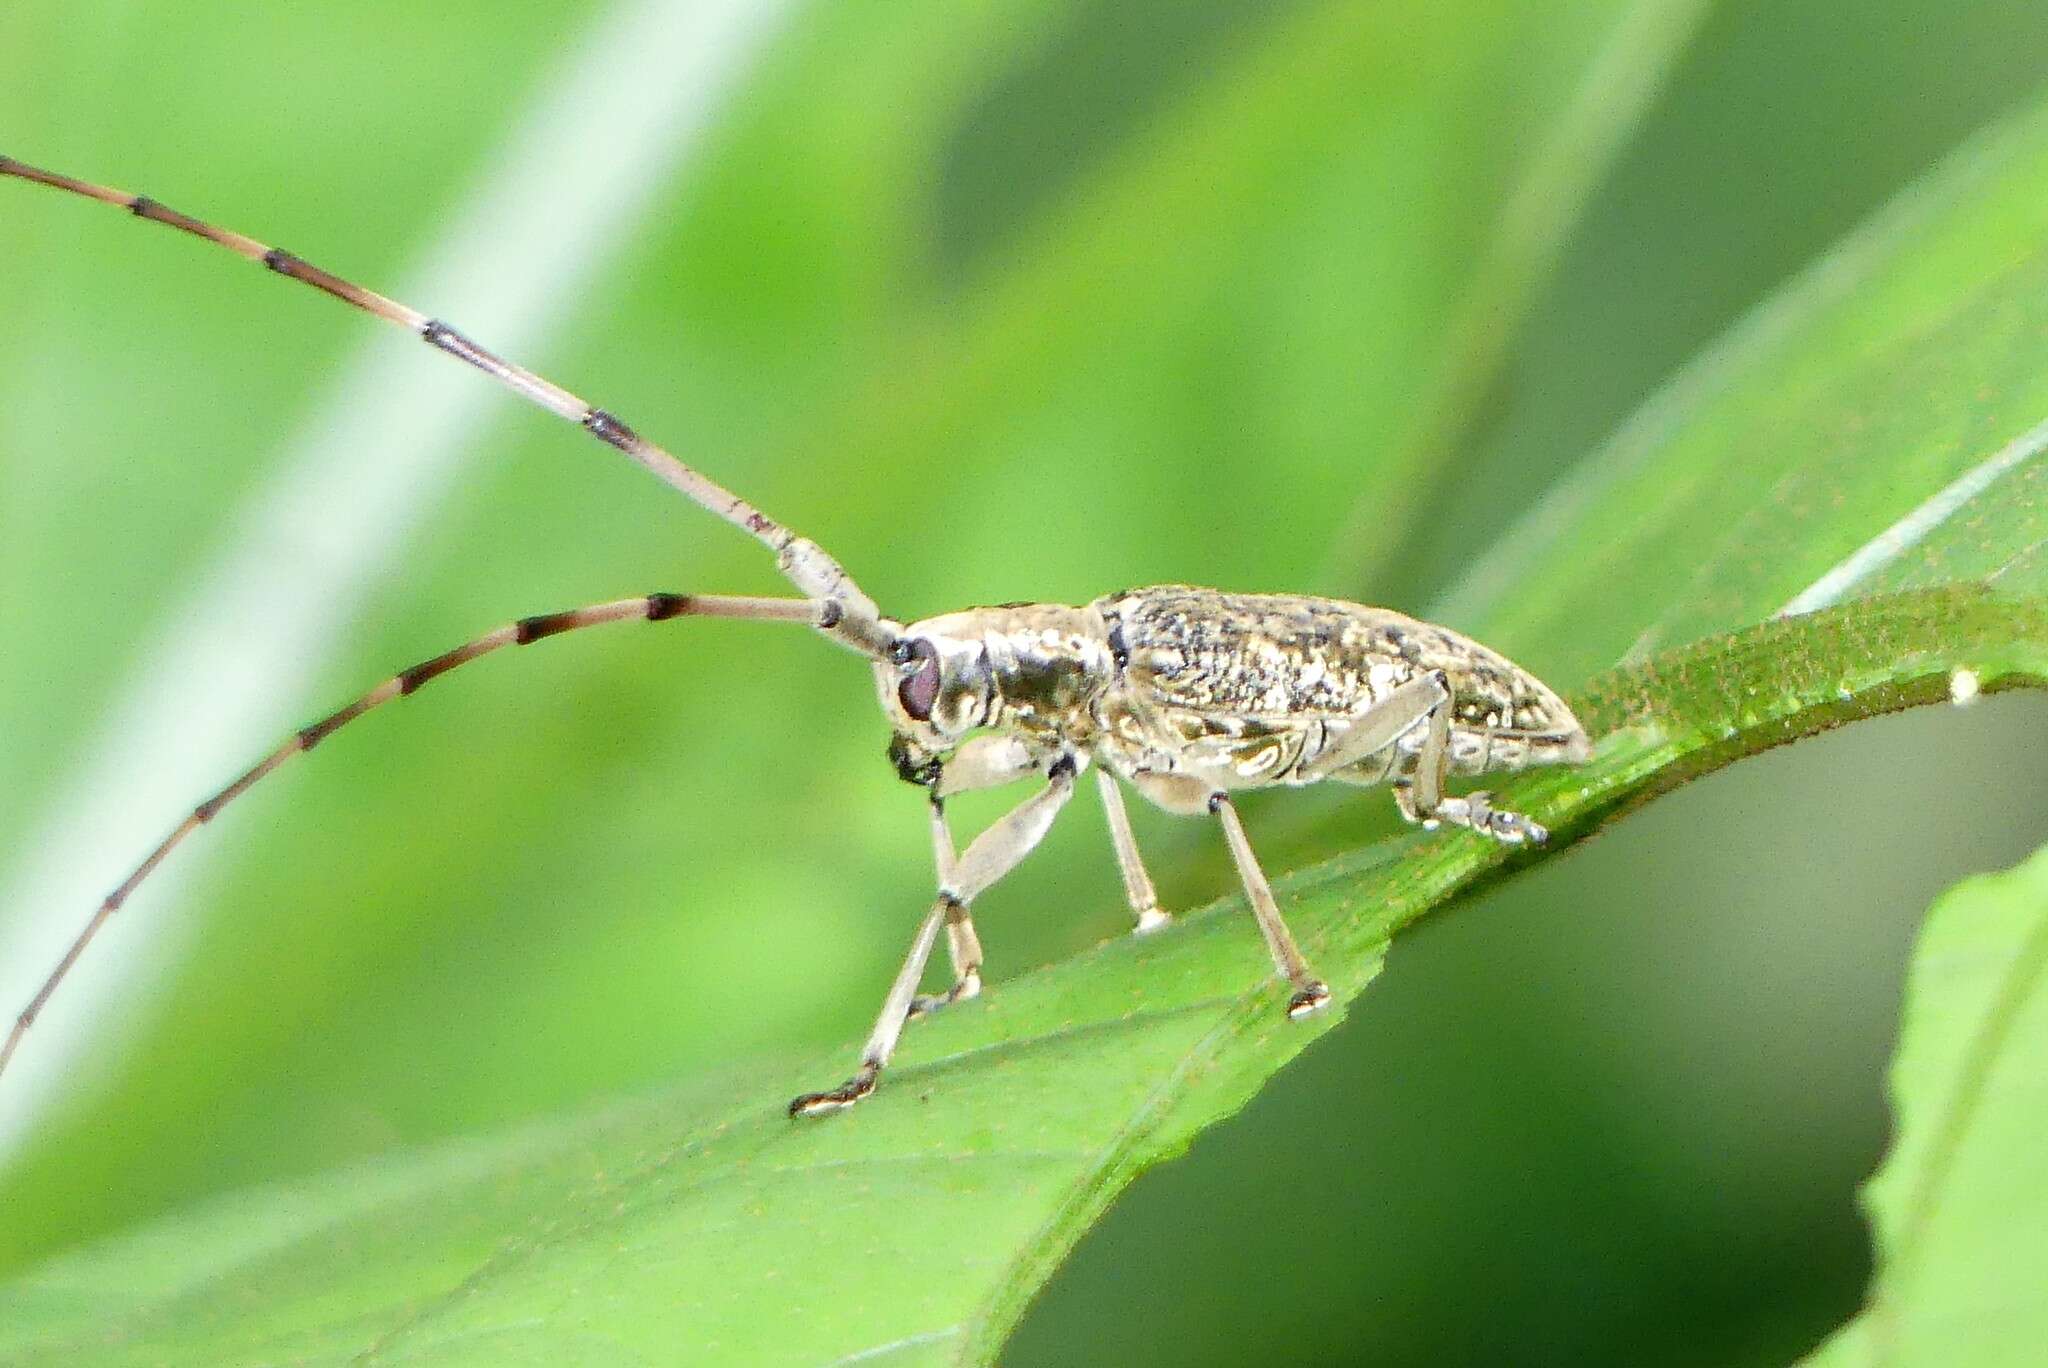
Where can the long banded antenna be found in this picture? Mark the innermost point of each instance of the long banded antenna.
(814, 573)
(823, 614)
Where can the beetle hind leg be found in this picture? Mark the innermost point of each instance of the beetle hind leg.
(1421, 796)
(1474, 811)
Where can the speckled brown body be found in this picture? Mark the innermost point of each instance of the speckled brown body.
(1185, 691)
(1250, 690)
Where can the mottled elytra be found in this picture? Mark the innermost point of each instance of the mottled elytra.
(1185, 694)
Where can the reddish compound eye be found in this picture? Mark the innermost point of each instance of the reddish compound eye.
(919, 690)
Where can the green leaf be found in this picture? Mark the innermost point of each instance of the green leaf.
(920, 1224)
(1960, 1204)
(917, 1228)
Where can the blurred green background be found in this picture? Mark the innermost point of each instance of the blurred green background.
(1017, 300)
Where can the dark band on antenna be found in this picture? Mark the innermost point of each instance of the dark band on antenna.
(299, 269)
(532, 629)
(409, 681)
(312, 736)
(456, 343)
(607, 428)
(662, 607)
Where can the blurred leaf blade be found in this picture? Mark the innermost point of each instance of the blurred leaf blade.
(1530, 230)
(1359, 206)
(1902, 367)
(1959, 1205)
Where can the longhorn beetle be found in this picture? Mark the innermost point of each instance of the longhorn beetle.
(1184, 693)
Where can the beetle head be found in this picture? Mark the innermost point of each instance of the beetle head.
(936, 686)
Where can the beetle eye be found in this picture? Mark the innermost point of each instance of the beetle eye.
(919, 690)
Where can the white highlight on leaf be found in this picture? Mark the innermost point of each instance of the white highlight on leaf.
(1909, 531)
(895, 1346)
(228, 666)
(1563, 510)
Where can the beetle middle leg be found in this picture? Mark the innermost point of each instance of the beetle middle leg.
(987, 858)
(1144, 899)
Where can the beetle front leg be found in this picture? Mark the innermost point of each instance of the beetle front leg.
(984, 762)
(963, 947)
(987, 858)
(888, 1026)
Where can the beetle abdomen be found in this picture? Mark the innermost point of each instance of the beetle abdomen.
(1208, 660)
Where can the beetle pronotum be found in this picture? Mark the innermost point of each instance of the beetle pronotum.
(1186, 694)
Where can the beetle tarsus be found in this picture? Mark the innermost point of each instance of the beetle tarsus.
(1310, 997)
(968, 985)
(837, 1099)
